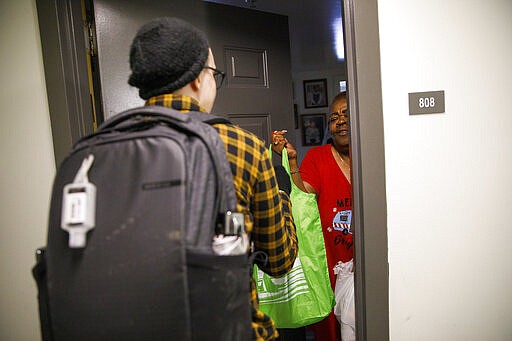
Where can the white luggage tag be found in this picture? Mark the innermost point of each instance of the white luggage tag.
(79, 206)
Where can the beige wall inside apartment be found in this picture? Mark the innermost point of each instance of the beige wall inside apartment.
(27, 167)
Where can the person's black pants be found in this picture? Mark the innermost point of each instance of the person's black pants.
(292, 334)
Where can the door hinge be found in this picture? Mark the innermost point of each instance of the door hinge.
(92, 45)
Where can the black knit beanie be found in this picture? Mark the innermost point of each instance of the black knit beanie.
(166, 54)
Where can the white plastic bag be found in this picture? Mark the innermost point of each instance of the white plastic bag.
(344, 310)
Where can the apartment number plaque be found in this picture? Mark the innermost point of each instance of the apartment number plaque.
(429, 102)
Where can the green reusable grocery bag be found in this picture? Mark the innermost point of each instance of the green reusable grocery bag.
(304, 295)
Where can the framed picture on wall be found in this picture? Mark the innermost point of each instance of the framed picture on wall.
(312, 129)
(315, 93)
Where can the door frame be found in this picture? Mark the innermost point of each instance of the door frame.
(63, 43)
(368, 169)
(64, 48)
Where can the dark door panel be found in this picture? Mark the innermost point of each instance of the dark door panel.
(251, 46)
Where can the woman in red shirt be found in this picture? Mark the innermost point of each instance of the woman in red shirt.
(325, 171)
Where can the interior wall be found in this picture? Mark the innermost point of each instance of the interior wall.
(313, 53)
(448, 176)
(27, 168)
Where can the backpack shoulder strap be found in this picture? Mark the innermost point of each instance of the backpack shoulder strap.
(224, 171)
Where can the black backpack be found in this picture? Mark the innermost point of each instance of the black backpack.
(157, 188)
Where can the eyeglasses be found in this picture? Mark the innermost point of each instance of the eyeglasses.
(336, 116)
(217, 75)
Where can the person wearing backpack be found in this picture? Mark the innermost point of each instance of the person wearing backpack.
(173, 66)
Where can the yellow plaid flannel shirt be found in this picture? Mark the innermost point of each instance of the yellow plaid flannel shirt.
(267, 211)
